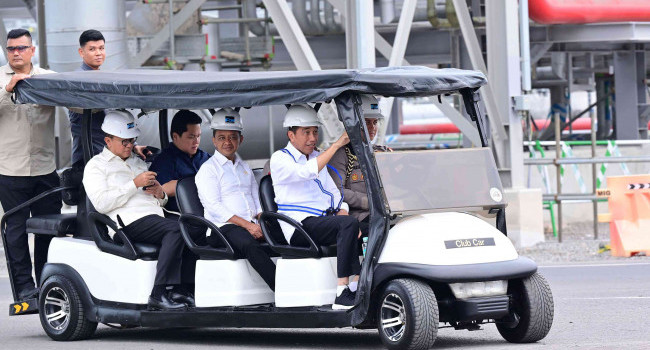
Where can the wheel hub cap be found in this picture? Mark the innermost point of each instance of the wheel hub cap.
(57, 308)
(393, 317)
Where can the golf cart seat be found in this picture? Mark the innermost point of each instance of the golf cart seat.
(120, 244)
(192, 212)
(273, 232)
(223, 277)
(53, 224)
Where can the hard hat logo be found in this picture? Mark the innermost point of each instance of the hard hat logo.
(230, 119)
(374, 106)
(130, 125)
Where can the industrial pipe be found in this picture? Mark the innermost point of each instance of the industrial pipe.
(449, 128)
(588, 11)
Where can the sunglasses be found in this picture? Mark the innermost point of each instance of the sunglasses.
(17, 48)
(126, 142)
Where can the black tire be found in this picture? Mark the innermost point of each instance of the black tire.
(416, 320)
(532, 310)
(61, 311)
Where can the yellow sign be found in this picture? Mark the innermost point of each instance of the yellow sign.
(21, 307)
(605, 192)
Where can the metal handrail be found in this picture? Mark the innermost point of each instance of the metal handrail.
(595, 160)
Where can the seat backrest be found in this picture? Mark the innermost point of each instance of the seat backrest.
(72, 177)
(258, 173)
(267, 195)
(187, 197)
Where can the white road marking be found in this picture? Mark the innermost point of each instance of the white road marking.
(605, 298)
(593, 265)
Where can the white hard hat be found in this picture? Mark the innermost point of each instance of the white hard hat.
(301, 115)
(121, 124)
(226, 119)
(370, 107)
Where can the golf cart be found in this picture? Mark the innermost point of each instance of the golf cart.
(431, 257)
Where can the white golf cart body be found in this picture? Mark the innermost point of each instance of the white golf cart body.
(429, 239)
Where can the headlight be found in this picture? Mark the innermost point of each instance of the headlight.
(478, 289)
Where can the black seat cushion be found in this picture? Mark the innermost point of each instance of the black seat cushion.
(328, 251)
(53, 224)
(145, 251)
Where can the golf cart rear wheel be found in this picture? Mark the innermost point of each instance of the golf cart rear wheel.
(407, 315)
(62, 312)
(531, 314)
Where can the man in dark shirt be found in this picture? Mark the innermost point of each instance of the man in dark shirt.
(182, 158)
(93, 54)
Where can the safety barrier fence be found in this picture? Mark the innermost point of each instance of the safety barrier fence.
(564, 156)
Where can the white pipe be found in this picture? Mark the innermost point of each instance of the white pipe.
(387, 11)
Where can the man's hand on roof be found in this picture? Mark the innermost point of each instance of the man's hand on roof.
(15, 79)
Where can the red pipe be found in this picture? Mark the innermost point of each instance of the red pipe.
(588, 11)
(450, 128)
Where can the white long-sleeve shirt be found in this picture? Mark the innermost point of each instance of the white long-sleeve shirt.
(108, 181)
(226, 189)
(300, 189)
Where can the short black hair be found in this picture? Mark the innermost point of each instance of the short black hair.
(181, 119)
(17, 33)
(293, 129)
(90, 35)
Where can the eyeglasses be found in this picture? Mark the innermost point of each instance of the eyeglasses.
(230, 138)
(126, 142)
(21, 48)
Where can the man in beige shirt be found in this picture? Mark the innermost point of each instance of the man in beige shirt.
(27, 165)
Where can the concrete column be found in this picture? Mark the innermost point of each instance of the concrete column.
(524, 212)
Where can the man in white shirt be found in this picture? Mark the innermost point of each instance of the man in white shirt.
(305, 192)
(118, 184)
(228, 191)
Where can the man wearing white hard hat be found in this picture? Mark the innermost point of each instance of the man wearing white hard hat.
(119, 185)
(305, 192)
(345, 169)
(228, 191)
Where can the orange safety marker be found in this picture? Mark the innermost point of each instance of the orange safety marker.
(629, 206)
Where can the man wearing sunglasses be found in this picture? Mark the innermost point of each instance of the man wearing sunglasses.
(119, 185)
(27, 163)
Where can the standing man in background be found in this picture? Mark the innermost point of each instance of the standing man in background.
(92, 49)
(27, 164)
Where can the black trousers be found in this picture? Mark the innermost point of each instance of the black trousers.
(156, 229)
(245, 244)
(342, 230)
(15, 190)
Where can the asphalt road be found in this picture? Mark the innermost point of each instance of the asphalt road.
(597, 306)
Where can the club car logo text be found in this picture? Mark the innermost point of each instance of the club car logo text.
(469, 242)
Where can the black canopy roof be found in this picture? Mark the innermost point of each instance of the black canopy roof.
(193, 90)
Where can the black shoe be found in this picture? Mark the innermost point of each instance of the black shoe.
(28, 293)
(186, 298)
(344, 301)
(165, 304)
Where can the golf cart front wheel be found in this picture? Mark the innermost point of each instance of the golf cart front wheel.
(407, 315)
(62, 312)
(531, 314)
